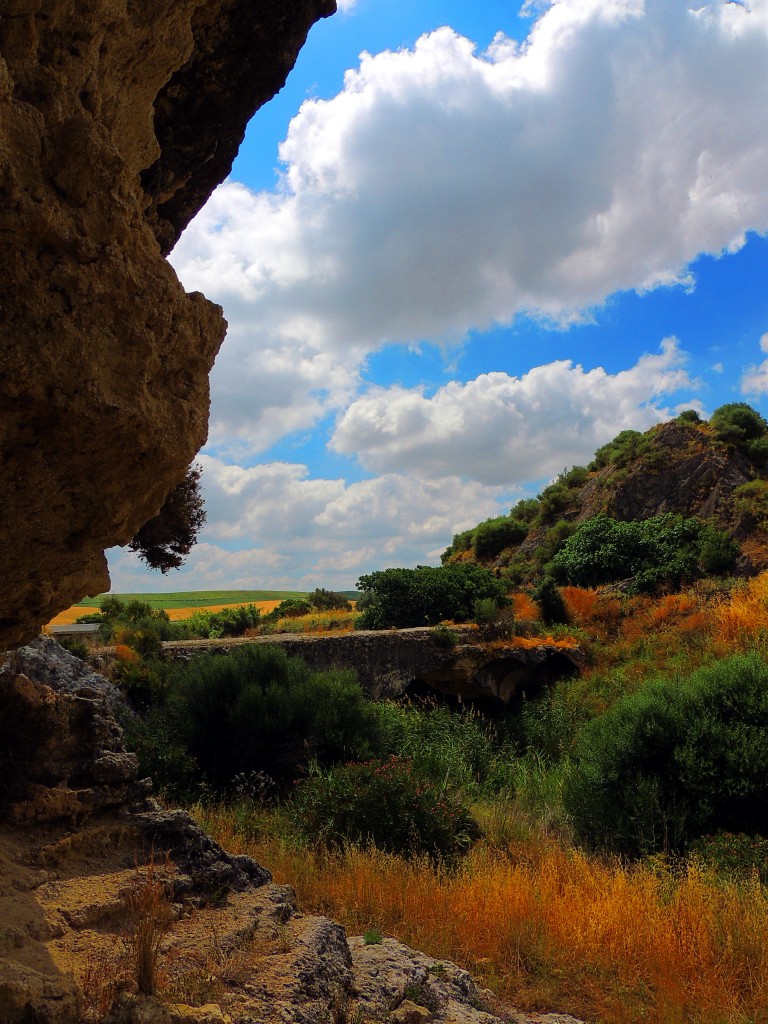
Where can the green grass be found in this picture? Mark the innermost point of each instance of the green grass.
(197, 598)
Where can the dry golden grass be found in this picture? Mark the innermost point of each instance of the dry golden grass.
(315, 622)
(741, 619)
(550, 927)
(525, 607)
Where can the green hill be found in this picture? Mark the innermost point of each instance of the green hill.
(700, 488)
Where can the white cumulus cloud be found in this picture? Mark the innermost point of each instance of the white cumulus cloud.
(444, 190)
(274, 526)
(502, 430)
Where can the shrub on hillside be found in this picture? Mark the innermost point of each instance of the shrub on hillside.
(627, 446)
(426, 595)
(256, 709)
(491, 537)
(675, 761)
(551, 603)
(383, 804)
(554, 500)
(663, 551)
(751, 499)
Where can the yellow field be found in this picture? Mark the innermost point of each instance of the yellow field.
(72, 614)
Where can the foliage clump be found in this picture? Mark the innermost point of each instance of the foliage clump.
(742, 426)
(426, 595)
(675, 761)
(135, 623)
(256, 709)
(164, 542)
(383, 804)
(234, 621)
(664, 551)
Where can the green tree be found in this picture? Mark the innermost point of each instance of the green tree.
(675, 761)
(256, 709)
(491, 537)
(667, 550)
(425, 595)
(550, 601)
(329, 600)
(738, 423)
(165, 541)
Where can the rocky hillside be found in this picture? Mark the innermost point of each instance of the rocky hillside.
(713, 473)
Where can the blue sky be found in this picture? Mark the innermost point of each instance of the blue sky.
(460, 262)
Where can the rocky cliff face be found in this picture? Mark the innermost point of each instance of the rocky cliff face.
(117, 120)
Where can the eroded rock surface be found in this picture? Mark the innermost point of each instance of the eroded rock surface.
(117, 119)
(46, 661)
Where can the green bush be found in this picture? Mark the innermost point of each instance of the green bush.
(137, 624)
(491, 537)
(751, 499)
(676, 761)
(525, 511)
(323, 600)
(444, 636)
(738, 423)
(733, 855)
(256, 709)
(717, 551)
(575, 477)
(551, 604)
(689, 416)
(383, 804)
(290, 608)
(456, 750)
(461, 542)
(235, 621)
(554, 500)
(623, 449)
(162, 756)
(426, 595)
(663, 551)
(485, 611)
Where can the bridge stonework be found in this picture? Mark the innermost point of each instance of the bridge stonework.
(388, 662)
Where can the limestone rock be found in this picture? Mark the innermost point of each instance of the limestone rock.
(27, 994)
(409, 1012)
(116, 122)
(203, 866)
(46, 661)
(389, 975)
(136, 1009)
(61, 755)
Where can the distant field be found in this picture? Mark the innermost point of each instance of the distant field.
(180, 605)
(198, 598)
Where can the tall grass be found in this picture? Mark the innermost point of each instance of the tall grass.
(550, 927)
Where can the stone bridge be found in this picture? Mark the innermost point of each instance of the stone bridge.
(390, 662)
